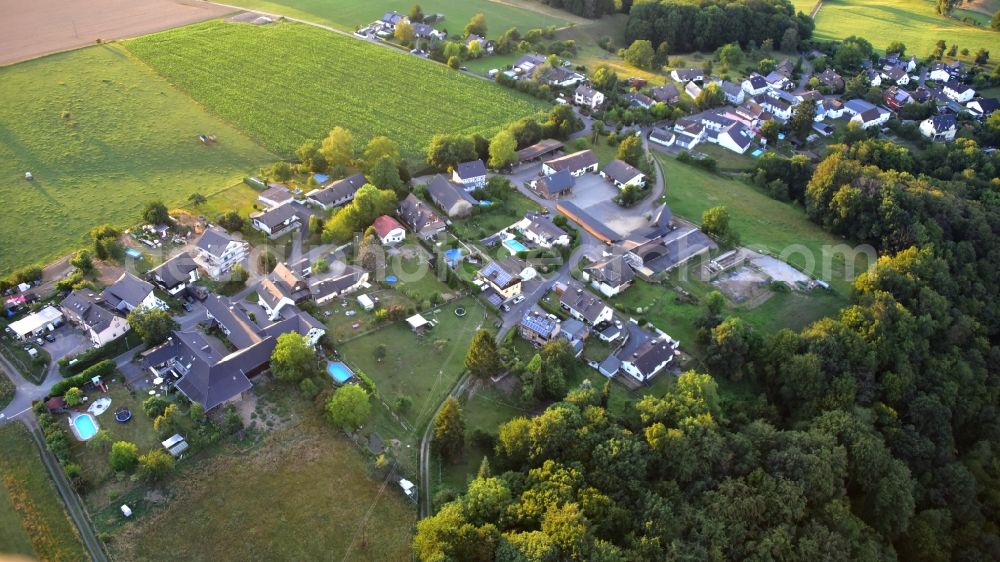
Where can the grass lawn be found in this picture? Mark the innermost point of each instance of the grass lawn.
(351, 14)
(487, 221)
(728, 160)
(34, 370)
(591, 55)
(762, 222)
(97, 472)
(913, 22)
(422, 368)
(32, 519)
(301, 81)
(102, 134)
(301, 493)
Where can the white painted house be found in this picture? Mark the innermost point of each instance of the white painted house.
(957, 91)
(941, 128)
(622, 174)
(218, 252)
(586, 96)
(388, 230)
(470, 175)
(578, 163)
(541, 231)
(129, 293)
(648, 359)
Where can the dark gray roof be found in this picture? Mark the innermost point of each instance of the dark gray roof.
(538, 149)
(574, 161)
(233, 319)
(587, 221)
(214, 241)
(175, 271)
(447, 195)
(957, 86)
(544, 228)
(665, 93)
(473, 169)
(334, 285)
(650, 355)
(554, 184)
(943, 122)
(621, 171)
(583, 302)
(419, 216)
(86, 306)
(757, 82)
(740, 134)
(613, 271)
(572, 329)
(129, 289)
(686, 74)
(731, 89)
(276, 216)
(339, 190)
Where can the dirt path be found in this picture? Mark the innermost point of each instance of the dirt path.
(32, 29)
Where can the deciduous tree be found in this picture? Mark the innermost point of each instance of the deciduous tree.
(348, 407)
(338, 147)
(293, 358)
(449, 430)
(152, 324)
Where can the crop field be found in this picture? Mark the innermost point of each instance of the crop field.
(349, 14)
(102, 135)
(914, 22)
(32, 520)
(286, 83)
(764, 224)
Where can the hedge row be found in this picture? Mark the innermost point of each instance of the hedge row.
(88, 358)
(102, 369)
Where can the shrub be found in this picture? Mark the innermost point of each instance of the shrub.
(123, 456)
(154, 406)
(308, 388)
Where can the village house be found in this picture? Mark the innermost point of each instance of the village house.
(939, 128)
(959, 92)
(500, 278)
(342, 280)
(539, 150)
(662, 137)
(687, 75)
(870, 116)
(640, 100)
(584, 305)
(983, 107)
(91, 313)
(470, 175)
(648, 359)
(874, 77)
(755, 84)
(896, 97)
(586, 96)
(484, 44)
(388, 230)
(777, 81)
(337, 193)
(554, 185)
(622, 174)
(693, 90)
(786, 68)
(420, 218)
(689, 133)
(275, 196)
(610, 276)
(578, 163)
(542, 232)
(129, 293)
(831, 80)
(218, 252)
(734, 93)
(896, 75)
(175, 274)
(275, 222)
(666, 94)
(538, 328)
(450, 198)
(736, 137)
(946, 72)
(575, 332)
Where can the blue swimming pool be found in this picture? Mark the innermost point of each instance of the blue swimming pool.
(86, 426)
(514, 246)
(340, 372)
(756, 153)
(133, 253)
(453, 256)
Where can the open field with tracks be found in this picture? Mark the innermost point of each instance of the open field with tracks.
(286, 83)
(32, 29)
(914, 22)
(102, 135)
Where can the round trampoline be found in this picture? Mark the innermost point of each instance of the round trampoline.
(460, 312)
(123, 415)
(391, 279)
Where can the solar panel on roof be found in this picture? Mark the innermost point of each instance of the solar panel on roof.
(495, 273)
(538, 324)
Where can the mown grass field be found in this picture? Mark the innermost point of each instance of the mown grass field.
(302, 493)
(349, 14)
(102, 135)
(286, 83)
(32, 519)
(914, 22)
(763, 223)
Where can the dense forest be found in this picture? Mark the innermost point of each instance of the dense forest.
(874, 436)
(589, 8)
(704, 25)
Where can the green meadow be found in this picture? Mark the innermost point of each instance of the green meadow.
(102, 134)
(286, 83)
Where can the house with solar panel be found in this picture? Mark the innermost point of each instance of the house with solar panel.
(538, 328)
(500, 279)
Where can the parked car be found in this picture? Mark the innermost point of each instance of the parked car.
(518, 299)
(188, 307)
(505, 308)
(350, 313)
(40, 342)
(50, 338)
